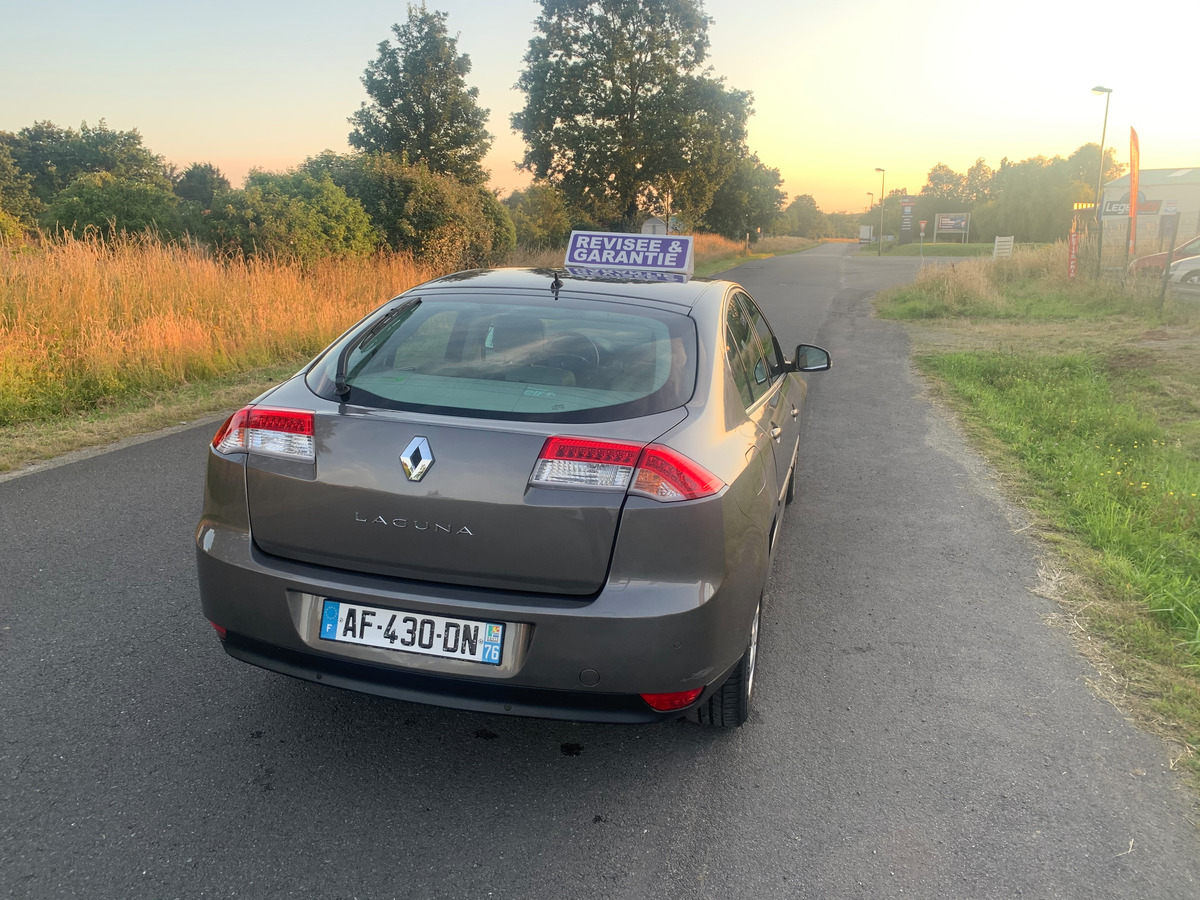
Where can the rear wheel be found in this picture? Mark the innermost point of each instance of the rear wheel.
(729, 705)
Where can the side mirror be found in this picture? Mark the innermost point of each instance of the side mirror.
(811, 359)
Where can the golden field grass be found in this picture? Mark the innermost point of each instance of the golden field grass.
(100, 340)
(84, 323)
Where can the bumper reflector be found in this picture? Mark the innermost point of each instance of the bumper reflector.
(673, 700)
(220, 629)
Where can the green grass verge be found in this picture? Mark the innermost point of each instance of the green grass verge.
(1085, 395)
(1102, 469)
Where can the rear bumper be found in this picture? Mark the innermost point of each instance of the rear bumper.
(564, 657)
(402, 684)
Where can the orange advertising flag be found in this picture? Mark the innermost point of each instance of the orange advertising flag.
(1134, 167)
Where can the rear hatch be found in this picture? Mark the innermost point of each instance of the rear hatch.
(464, 388)
(472, 519)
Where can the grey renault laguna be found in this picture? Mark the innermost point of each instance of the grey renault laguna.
(539, 492)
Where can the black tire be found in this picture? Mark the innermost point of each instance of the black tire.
(729, 705)
(791, 490)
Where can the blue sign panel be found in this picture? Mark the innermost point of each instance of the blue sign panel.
(631, 252)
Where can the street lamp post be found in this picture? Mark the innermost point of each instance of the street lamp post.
(882, 196)
(1107, 92)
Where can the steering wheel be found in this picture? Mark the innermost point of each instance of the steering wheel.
(577, 353)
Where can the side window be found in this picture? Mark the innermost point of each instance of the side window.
(742, 353)
(765, 335)
(736, 367)
(749, 348)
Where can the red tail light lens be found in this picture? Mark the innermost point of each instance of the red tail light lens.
(582, 462)
(653, 471)
(673, 700)
(277, 432)
(666, 475)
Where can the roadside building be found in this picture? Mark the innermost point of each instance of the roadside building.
(1167, 198)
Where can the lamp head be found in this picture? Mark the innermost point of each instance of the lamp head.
(881, 170)
(1101, 90)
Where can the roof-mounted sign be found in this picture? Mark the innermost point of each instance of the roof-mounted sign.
(656, 257)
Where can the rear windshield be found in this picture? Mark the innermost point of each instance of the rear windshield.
(555, 361)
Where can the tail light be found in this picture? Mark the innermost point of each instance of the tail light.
(652, 470)
(287, 433)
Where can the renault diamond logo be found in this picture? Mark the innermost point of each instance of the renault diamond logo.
(416, 459)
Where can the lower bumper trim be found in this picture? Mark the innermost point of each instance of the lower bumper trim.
(437, 690)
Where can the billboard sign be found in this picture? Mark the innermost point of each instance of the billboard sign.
(906, 219)
(952, 223)
(1120, 208)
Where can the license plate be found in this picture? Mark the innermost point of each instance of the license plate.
(405, 632)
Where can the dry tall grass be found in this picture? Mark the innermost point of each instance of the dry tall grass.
(83, 322)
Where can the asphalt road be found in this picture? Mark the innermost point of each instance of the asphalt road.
(920, 731)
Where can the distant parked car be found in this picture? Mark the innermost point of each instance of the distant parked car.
(1153, 264)
(1185, 271)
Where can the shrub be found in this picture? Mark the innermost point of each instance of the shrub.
(295, 216)
(106, 205)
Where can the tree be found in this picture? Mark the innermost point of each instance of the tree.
(16, 196)
(108, 205)
(54, 157)
(436, 218)
(979, 183)
(540, 216)
(1085, 165)
(804, 219)
(945, 187)
(200, 182)
(295, 216)
(620, 112)
(747, 202)
(1033, 200)
(420, 103)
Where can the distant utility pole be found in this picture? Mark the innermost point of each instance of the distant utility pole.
(882, 196)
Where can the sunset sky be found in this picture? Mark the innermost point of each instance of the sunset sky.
(840, 88)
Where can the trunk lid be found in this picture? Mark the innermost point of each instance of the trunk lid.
(471, 518)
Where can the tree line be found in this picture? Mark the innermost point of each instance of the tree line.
(623, 119)
(1031, 200)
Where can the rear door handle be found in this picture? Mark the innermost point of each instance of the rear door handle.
(776, 431)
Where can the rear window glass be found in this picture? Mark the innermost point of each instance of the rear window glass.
(562, 361)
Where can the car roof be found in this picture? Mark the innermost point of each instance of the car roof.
(685, 293)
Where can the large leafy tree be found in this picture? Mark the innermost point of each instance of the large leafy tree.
(54, 157)
(746, 203)
(420, 104)
(621, 113)
(540, 216)
(200, 182)
(804, 218)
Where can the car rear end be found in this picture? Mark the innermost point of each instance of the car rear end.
(474, 500)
